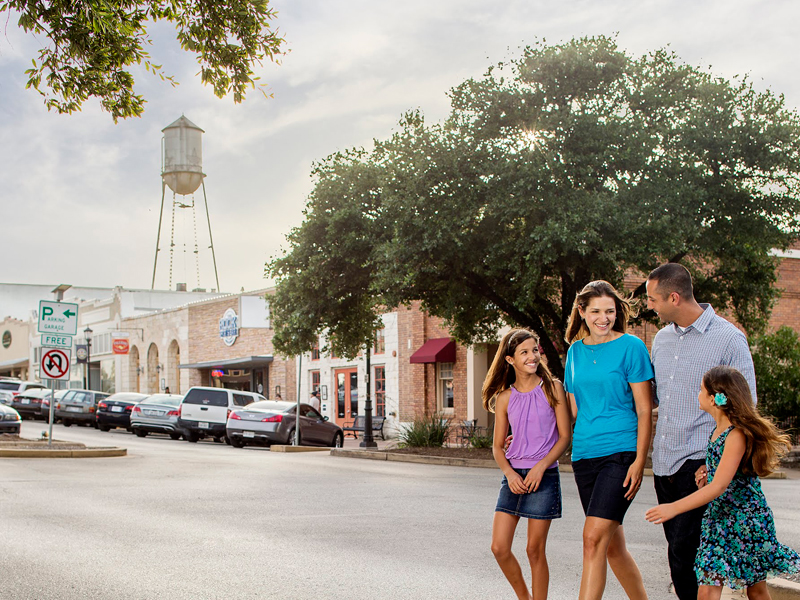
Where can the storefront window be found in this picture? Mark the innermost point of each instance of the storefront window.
(446, 392)
(315, 351)
(314, 383)
(380, 391)
(108, 379)
(380, 342)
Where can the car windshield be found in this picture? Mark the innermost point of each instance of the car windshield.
(206, 397)
(163, 399)
(126, 397)
(79, 397)
(34, 393)
(9, 385)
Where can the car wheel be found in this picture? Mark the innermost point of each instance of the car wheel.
(236, 442)
(104, 428)
(192, 436)
(175, 435)
(338, 440)
(290, 438)
(67, 422)
(140, 432)
(218, 440)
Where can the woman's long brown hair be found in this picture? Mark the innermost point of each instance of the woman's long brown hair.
(576, 326)
(501, 375)
(764, 443)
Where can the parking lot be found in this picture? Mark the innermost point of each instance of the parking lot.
(179, 520)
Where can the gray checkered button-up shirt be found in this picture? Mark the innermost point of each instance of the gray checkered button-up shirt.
(680, 359)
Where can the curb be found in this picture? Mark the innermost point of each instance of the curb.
(285, 448)
(44, 453)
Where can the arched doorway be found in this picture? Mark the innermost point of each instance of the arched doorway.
(173, 374)
(153, 369)
(133, 366)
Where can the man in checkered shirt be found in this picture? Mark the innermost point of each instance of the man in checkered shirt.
(695, 340)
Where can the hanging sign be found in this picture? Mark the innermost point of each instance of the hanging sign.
(119, 342)
(55, 364)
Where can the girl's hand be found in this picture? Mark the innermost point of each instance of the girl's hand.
(633, 480)
(661, 513)
(534, 477)
(516, 484)
(701, 476)
(507, 443)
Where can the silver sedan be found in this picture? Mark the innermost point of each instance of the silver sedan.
(273, 422)
(157, 414)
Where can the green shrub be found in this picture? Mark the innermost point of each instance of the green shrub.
(427, 431)
(481, 440)
(776, 358)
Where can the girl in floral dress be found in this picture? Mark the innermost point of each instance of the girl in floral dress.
(738, 545)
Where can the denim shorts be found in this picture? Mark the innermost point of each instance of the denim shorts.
(544, 503)
(600, 482)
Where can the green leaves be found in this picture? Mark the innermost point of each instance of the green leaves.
(575, 162)
(93, 43)
(777, 362)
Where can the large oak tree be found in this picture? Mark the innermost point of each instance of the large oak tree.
(572, 163)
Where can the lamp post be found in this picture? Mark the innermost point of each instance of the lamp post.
(87, 334)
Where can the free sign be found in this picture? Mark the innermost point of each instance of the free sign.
(55, 364)
(58, 317)
(53, 340)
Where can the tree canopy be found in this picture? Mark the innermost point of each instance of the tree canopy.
(776, 357)
(571, 163)
(92, 45)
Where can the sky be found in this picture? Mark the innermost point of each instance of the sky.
(81, 195)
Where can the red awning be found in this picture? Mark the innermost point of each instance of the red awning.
(433, 351)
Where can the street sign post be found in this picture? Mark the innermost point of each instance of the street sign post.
(54, 340)
(58, 317)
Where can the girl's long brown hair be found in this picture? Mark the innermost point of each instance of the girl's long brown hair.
(501, 375)
(764, 443)
(576, 326)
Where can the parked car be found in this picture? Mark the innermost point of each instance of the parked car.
(78, 406)
(9, 388)
(33, 403)
(273, 422)
(115, 411)
(157, 414)
(10, 421)
(205, 410)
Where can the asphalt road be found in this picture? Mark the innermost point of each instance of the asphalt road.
(193, 521)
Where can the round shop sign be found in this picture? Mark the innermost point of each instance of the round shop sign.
(6, 339)
(229, 327)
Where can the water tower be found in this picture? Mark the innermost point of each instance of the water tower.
(182, 172)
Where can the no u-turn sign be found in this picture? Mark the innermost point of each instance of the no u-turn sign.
(54, 363)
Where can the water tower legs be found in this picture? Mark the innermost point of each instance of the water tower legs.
(158, 235)
(211, 239)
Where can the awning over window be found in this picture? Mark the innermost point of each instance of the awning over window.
(246, 362)
(437, 350)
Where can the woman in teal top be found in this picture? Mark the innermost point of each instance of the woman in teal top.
(607, 379)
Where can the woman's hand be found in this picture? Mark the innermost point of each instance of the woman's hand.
(507, 443)
(633, 480)
(534, 476)
(701, 476)
(516, 484)
(661, 513)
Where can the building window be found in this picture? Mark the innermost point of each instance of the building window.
(380, 342)
(446, 386)
(314, 382)
(380, 391)
(315, 351)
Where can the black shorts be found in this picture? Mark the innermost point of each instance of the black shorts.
(600, 482)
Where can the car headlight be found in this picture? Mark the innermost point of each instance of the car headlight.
(11, 417)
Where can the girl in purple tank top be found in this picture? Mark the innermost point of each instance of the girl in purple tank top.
(523, 394)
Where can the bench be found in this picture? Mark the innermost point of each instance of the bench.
(358, 425)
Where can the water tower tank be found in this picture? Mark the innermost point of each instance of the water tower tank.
(182, 156)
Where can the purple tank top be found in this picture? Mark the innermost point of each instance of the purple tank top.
(533, 423)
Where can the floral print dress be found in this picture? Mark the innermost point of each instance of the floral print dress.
(738, 545)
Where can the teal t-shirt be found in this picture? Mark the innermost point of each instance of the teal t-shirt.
(599, 377)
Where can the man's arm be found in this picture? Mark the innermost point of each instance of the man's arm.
(738, 356)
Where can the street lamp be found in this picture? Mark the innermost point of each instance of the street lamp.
(87, 334)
